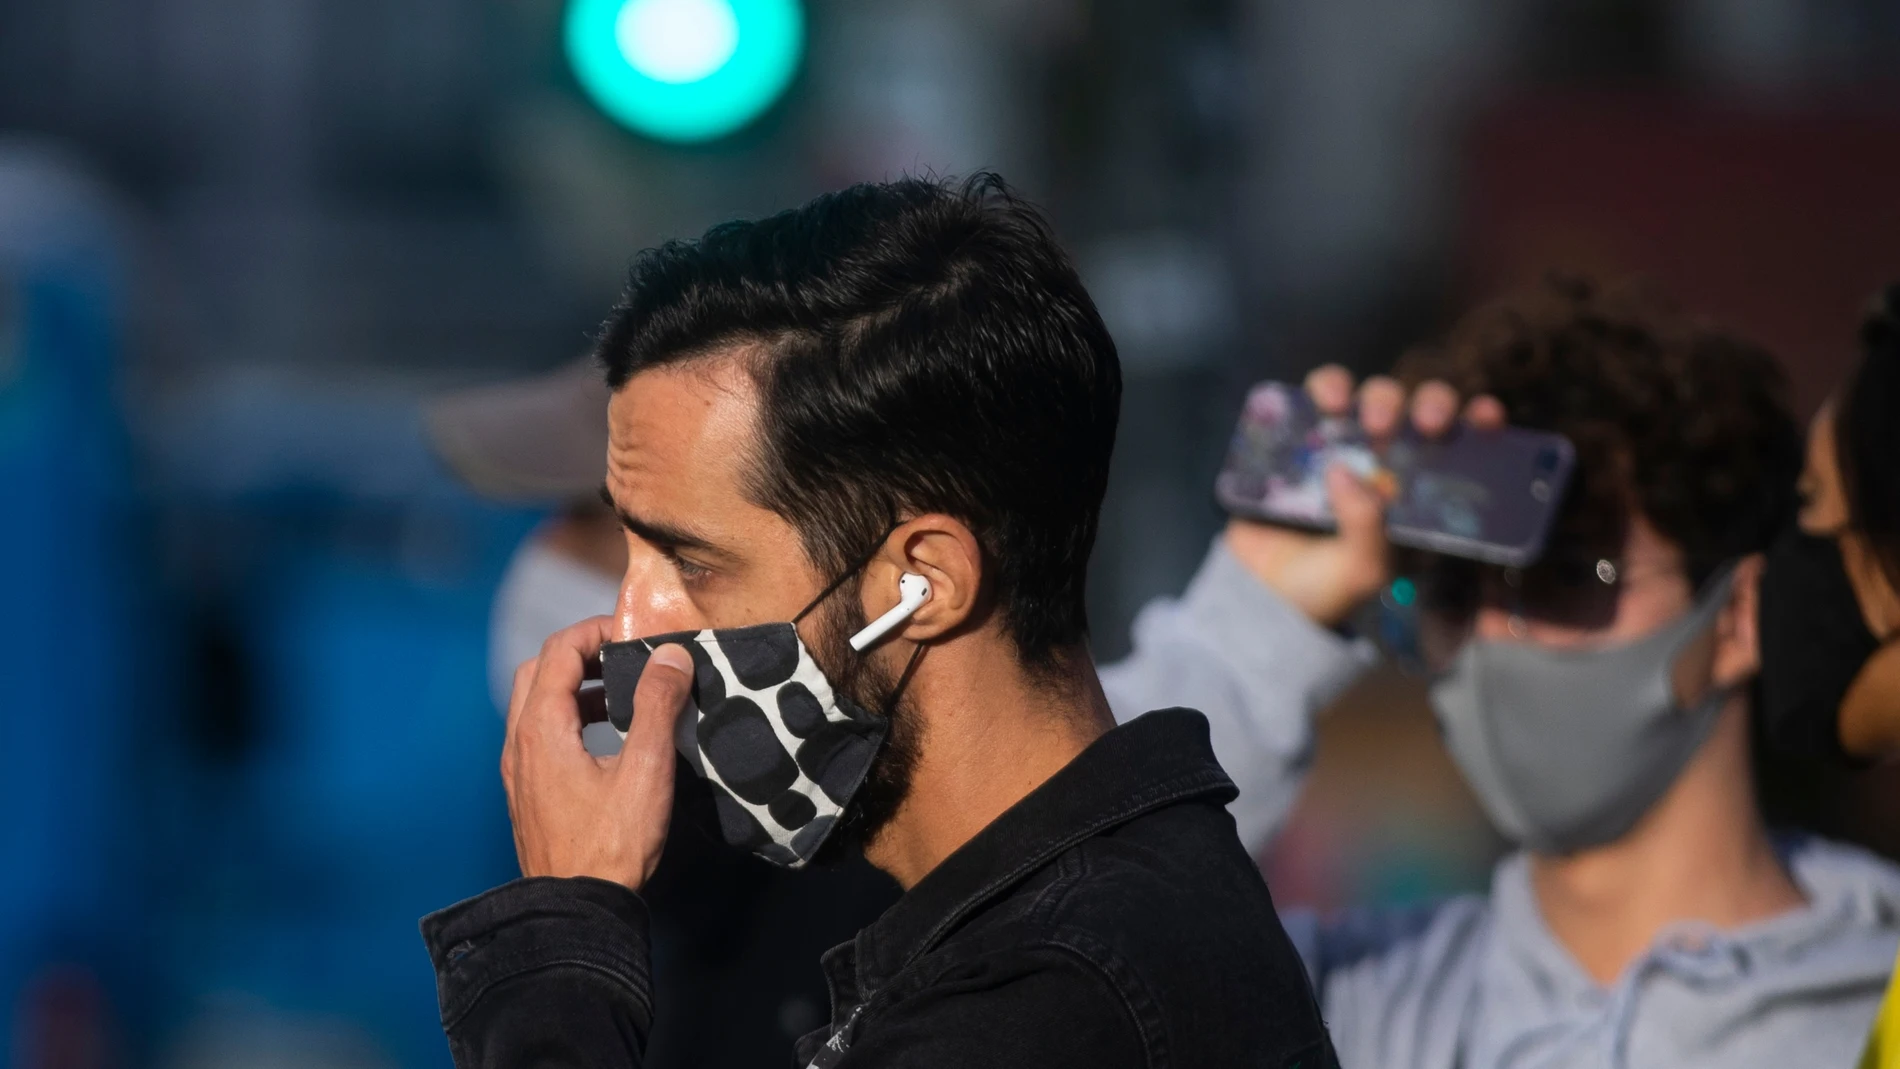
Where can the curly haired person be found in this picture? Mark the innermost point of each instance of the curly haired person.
(1598, 703)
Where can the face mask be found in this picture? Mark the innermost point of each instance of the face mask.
(1567, 749)
(542, 592)
(781, 749)
(1814, 642)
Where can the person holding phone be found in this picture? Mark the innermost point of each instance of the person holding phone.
(1597, 701)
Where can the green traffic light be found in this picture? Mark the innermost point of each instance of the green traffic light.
(684, 70)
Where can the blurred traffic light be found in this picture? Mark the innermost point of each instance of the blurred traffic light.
(684, 70)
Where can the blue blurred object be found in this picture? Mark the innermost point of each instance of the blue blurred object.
(237, 887)
(342, 586)
(369, 797)
(74, 660)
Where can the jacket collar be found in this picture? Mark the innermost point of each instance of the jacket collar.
(1147, 764)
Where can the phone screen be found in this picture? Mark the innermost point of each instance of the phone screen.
(1487, 495)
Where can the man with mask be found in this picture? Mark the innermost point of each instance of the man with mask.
(859, 449)
(740, 980)
(1597, 702)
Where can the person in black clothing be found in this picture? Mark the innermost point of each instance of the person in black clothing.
(894, 404)
(1830, 608)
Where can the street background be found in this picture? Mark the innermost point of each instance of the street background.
(244, 612)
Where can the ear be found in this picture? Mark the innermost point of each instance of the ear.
(941, 549)
(1737, 636)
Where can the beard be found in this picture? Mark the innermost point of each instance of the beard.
(870, 683)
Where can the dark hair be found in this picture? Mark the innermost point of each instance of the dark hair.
(1672, 418)
(920, 346)
(1867, 435)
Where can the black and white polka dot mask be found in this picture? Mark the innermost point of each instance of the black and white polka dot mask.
(782, 751)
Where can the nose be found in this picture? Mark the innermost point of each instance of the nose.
(652, 600)
(1498, 625)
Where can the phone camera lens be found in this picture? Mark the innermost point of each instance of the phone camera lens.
(1547, 461)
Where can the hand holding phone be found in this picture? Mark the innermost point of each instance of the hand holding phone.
(1328, 575)
(1484, 494)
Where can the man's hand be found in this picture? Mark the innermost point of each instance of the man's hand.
(575, 814)
(1327, 576)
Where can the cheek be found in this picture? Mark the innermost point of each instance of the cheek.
(1823, 506)
(1823, 511)
(1690, 675)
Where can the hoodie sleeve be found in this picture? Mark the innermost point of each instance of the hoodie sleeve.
(1259, 669)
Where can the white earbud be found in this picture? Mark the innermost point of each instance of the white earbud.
(912, 592)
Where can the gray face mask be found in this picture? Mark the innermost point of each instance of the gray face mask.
(1567, 749)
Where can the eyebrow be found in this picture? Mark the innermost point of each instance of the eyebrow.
(658, 534)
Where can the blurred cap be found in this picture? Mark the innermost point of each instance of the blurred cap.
(542, 439)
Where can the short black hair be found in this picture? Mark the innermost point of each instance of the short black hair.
(1867, 435)
(923, 346)
(1673, 417)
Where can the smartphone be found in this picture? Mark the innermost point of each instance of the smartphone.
(1484, 495)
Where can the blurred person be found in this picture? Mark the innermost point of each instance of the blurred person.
(1597, 703)
(1831, 596)
(1831, 602)
(538, 441)
(811, 414)
(542, 441)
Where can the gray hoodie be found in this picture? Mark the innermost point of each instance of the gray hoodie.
(1479, 981)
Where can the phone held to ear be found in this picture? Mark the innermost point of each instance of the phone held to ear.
(1483, 495)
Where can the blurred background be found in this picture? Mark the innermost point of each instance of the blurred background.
(244, 611)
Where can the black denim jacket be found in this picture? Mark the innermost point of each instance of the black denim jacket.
(1111, 918)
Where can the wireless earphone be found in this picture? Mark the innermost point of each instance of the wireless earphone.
(912, 590)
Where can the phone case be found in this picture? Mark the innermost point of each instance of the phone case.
(1484, 495)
